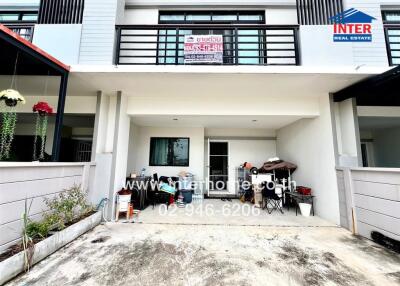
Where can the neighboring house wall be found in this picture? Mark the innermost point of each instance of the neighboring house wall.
(17, 180)
(373, 195)
(309, 144)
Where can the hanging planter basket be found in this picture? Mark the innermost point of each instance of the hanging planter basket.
(11, 98)
(43, 110)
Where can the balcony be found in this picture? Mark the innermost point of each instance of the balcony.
(242, 44)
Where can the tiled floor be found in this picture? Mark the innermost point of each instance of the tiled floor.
(218, 212)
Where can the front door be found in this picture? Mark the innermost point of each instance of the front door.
(218, 166)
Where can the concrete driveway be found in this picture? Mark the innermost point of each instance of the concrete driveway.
(178, 254)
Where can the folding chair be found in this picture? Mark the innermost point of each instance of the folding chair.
(271, 200)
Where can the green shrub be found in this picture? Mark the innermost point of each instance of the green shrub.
(67, 206)
(37, 229)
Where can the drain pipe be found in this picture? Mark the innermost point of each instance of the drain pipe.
(103, 205)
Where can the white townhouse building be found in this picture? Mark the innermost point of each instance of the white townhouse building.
(204, 86)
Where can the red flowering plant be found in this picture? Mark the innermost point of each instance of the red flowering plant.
(43, 109)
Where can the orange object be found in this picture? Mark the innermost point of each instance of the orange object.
(130, 211)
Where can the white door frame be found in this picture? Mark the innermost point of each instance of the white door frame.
(228, 190)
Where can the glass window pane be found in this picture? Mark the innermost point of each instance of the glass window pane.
(29, 17)
(218, 183)
(169, 151)
(396, 61)
(250, 17)
(172, 17)
(218, 165)
(218, 148)
(395, 46)
(395, 53)
(9, 17)
(394, 39)
(224, 17)
(393, 32)
(170, 60)
(198, 18)
(392, 16)
(181, 152)
(158, 152)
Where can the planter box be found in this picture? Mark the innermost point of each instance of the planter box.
(14, 265)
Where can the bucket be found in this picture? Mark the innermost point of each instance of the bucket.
(305, 209)
(187, 196)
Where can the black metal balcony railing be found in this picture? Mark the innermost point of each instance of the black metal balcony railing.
(242, 44)
(392, 34)
(25, 31)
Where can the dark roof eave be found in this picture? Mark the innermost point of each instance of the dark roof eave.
(371, 86)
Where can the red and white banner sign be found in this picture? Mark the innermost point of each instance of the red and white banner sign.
(203, 49)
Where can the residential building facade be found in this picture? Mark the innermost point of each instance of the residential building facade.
(131, 88)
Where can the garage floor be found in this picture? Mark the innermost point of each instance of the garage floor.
(149, 253)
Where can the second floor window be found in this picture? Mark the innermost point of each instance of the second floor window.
(391, 21)
(18, 17)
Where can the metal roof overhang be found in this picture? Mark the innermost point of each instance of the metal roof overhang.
(378, 90)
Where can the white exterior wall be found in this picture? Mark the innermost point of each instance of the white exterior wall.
(370, 200)
(347, 133)
(253, 151)
(17, 180)
(374, 53)
(225, 105)
(98, 32)
(60, 41)
(309, 144)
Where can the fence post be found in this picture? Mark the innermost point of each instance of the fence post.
(349, 193)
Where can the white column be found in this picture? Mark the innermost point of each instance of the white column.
(120, 150)
(101, 153)
(348, 134)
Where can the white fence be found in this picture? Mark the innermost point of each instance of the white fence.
(370, 200)
(31, 182)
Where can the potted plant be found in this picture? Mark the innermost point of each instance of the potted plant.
(9, 99)
(43, 110)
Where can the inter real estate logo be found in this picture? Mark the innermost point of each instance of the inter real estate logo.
(352, 26)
